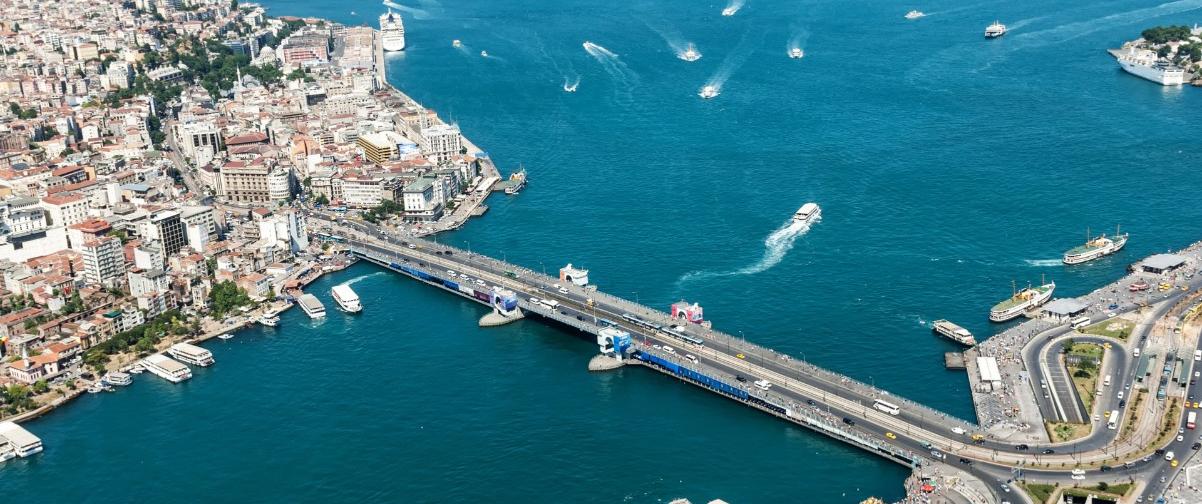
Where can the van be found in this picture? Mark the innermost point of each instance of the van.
(958, 430)
(763, 384)
(692, 358)
(1135, 352)
(1198, 355)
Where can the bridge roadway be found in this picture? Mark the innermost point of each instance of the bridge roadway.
(801, 382)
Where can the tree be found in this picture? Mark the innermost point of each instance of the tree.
(321, 200)
(227, 296)
(41, 387)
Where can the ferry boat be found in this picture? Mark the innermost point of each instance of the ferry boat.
(709, 91)
(392, 31)
(269, 321)
(312, 306)
(96, 388)
(166, 368)
(6, 451)
(995, 30)
(191, 354)
(1022, 301)
(954, 332)
(22, 442)
(226, 336)
(1146, 64)
(796, 53)
(517, 181)
(346, 298)
(808, 213)
(690, 54)
(456, 43)
(1139, 286)
(1095, 248)
(118, 378)
(915, 14)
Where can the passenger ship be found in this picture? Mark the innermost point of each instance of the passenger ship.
(1022, 301)
(954, 332)
(1095, 248)
(166, 368)
(312, 306)
(1147, 64)
(995, 30)
(191, 354)
(346, 298)
(392, 31)
(808, 213)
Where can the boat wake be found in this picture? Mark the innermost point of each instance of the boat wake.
(1078, 29)
(611, 63)
(733, 7)
(798, 39)
(733, 61)
(776, 246)
(1043, 263)
(361, 278)
(571, 85)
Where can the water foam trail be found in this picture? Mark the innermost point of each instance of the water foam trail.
(570, 85)
(733, 7)
(1043, 263)
(417, 13)
(1066, 32)
(776, 246)
(360, 278)
(611, 63)
(798, 39)
(734, 60)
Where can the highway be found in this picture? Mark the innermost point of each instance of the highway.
(799, 383)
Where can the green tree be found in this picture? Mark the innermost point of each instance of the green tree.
(322, 200)
(227, 296)
(41, 387)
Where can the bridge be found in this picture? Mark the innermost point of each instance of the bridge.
(799, 392)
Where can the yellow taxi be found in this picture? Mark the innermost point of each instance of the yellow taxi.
(890, 435)
(1173, 464)
(741, 356)
(1106, 345)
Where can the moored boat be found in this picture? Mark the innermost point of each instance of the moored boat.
(954, 332)
(1022, 301)
(118, 378)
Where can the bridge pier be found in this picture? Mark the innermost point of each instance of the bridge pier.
(498, 318)
(603, 362)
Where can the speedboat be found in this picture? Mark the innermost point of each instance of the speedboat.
(709, 91)
(808, 213)
(730, 11)
(484, 54)
(456, 43)
(571, 88)
(914, 14)
(226, 336)
(690, 54)
(96, 388)
(995, 30)
(796, 53)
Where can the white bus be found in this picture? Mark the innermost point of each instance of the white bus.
(1079, 322)
(1113, 422)
(889, 408)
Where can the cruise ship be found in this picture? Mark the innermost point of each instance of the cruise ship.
(191, 354)
(1146, 64)
(346, 298)
(312, 306)
(1022, 301)
(808, 213)
(166, 368)
(392, 31)
(995, 30)
(954, 332)
(1095, 248)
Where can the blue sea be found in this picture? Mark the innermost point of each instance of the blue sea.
(947, 166)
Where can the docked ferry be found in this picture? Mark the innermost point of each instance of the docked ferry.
(118, 378)
(1022, 301)
(166, 368)
(311, 306)
(19, 441)
(392, 31)
(346, 298)
(191, 354)
(954, 332)
(808, 213)
(517, 180)
(1095, 248)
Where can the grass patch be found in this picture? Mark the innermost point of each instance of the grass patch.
(1136, 400)
(1112, 492)
(1116, 327)
(1060, 432)
(1039, 492)
(1085, 373)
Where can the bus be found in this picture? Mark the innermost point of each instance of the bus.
(889, 408)
(1191, 420)
(1079, 322)
(1113, 422)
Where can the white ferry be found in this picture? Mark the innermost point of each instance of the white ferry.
(709, 91)
(269, 320)
(191, 354)
(995, 30)
(797, 53)
(166, 368)
(6, 451)
(954, 332)
(915, 14)
(1147, 64)
(312, 306)
(118, 378)
(1022, 301)
(808, 213)
(690, 54)
(22, 442)
(392, 31)
(1095, 248)
(346, 298)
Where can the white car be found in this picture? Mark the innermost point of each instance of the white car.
(959, 430)
(533, 300)
(451, 272)
(1120, 394)
(563, 290)
(555, 286)
(763, 384)
(691, 357)
(1169, 456)
(412, 246)
(669, 349)
(481, 283)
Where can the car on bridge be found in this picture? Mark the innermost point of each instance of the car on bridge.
(890, 435)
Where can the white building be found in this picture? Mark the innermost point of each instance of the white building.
(442, 142)
(103, 261)
(65, 209)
